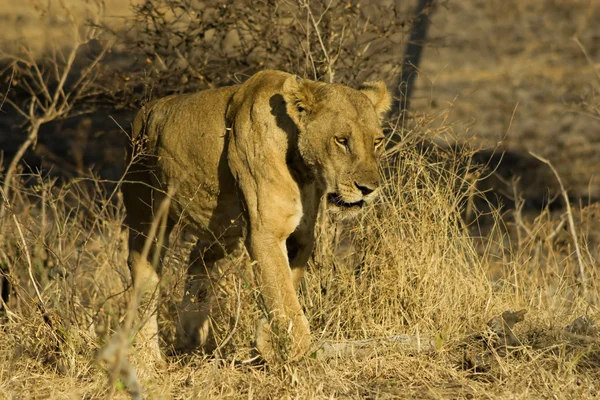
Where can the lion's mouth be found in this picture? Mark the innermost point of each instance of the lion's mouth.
(336, 199)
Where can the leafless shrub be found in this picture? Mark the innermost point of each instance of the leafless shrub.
(44, 91)
(185, 45)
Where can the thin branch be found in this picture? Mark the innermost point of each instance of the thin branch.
(5, 97)
(587, 57)
(29, 264)
(582, 274)
(115, 350)
(16, 107)
(369, 347)
(12, 168)
(38, 75)
(65, 75)
(315, 23)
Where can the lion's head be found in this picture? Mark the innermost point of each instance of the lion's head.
(340, 136)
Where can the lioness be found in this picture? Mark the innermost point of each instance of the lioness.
(252, 160)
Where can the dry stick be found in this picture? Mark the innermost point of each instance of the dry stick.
(29, 264)
(330, 71)
(114, 351)
(322, 219)
(369, 347)
(572, 230)
(12, 75)
(556, 231)
(587, 56)
(33, 133)
(409, 344)
(27, 256)
(237, 318)
(518, 213)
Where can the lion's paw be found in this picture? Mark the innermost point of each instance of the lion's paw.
(276, 343)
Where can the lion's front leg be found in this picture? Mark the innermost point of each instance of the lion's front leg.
(273, 209)
(285, 333)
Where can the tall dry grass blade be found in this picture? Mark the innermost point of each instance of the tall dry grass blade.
(572, 229)
(114, 352)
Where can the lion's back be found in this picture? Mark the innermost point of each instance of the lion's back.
(182, 138)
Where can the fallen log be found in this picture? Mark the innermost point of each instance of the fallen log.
(369, 347)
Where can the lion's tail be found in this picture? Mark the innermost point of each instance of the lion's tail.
(138, 130)
(139, 123)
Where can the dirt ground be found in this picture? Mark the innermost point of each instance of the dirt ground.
(516, 74)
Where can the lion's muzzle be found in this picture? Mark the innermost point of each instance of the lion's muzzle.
(355, 197)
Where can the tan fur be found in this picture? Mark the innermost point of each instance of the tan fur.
(252, 160)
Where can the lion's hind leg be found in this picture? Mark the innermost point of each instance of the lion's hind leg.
(194, 327)
(142, 204)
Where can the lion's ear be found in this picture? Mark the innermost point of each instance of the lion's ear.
(378, 93)
(299, 94)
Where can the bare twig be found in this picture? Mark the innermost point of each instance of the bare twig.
(12, 76)
(27, 256)
(114, 351)
(587, 57)
(330, 71)
(556, 231)
(237, 319)
(572, 229)
(29, 264)
(369, 347)
(518, 212)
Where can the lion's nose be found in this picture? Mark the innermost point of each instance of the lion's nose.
(367, 189)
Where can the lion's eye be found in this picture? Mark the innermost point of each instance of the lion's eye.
(378, 141)
(342, 141)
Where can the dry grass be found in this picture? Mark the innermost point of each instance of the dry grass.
(415, 270)
(410, 265)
